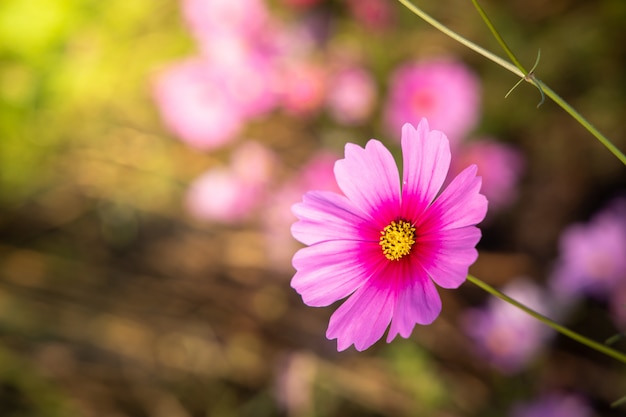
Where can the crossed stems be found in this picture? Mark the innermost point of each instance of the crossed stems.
(529, 76)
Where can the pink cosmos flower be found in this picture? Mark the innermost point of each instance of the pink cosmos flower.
(445, 92)
(385, 243)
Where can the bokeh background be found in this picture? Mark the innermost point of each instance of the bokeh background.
(130, 288)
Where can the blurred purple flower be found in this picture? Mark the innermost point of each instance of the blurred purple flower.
(507, 337)
(592, 258)
(554, 405)
(446, 92)
(195, 106)
(351, 95)
(231, 194)
(384, 245)
(500, 166)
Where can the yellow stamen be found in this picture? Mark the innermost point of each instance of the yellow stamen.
(397, 239)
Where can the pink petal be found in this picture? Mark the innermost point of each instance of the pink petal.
(417, 302)
(369, 178)
(426, 159)
(363, 318)
(446, 255)
(330, 271)
(460, 204)
(325, 215)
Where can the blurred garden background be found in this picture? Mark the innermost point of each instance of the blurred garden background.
(150, 151)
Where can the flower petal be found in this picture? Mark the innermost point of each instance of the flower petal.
(369, 178)
(325, 215)
(329, 271)
(447, 254)
(460, 204)
(426, 160)
(363, 318)
(417, 302)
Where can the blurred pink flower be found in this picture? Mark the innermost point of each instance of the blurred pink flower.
(554, 405)
(220, 195)
(208, 18)
(207, 100)
(248, 74)
(500, 166)
(292, 42)
(303, 87)
(507, 337)
(592, 258)
(231, 194)
(253, 163)
(446, 92)
(195, 106)
(373, 14)
(384, 245)
(351, 95)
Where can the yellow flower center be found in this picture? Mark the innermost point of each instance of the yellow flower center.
(397, 239)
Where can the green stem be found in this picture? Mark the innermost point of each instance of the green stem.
(530, 78)
(580, 119)
(482, 51)
(561, 329)
(499, 38)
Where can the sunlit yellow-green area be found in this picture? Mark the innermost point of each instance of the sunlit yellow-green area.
(115, 302)
(76, 96)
